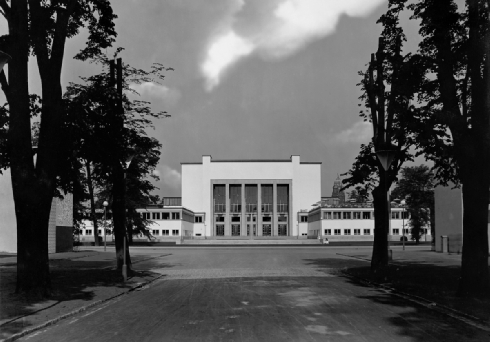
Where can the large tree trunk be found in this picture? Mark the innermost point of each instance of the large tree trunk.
(475, 278)
(119, 216)
(380, 259)
(32, 191)
(92, 202)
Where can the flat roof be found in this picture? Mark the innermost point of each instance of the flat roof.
(248, 161)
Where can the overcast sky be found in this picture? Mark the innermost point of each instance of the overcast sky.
(253, 79)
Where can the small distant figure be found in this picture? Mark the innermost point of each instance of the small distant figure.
(325, 241)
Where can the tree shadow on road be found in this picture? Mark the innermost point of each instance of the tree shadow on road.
(434, 282)
(75, 284)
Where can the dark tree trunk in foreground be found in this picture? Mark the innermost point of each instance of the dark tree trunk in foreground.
(380, 258)
(475, 277)
(471, 142)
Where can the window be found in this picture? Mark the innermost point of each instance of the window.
(100, 231)
(282, 229)
(346, 215)
(395, 215)
(88, 231)
(165, 232)
(396, 231)
(366, 215)
(336, 231)
(336, 215)
(346, 231)
(155, 216)
(235, 228)
(303, 218)
(165, 216)
(266, 229)
(198, 219)
(328, 231)
(267, 219)
(175, 232)
(405, 215)
(175, 216)
(327, 215)
(220, 219)
(220, 229)
(356, 215)
(235, 219)
(155, 232)
(367, 231)
(145, 216)
(282, 219)
(357, 232)
(407, 231)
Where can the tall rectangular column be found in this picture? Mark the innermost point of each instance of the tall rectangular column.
(243, 221)
(227, 214)
(259, 209)
(274, 209)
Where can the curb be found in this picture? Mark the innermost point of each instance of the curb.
(460, 316)
(74, 312)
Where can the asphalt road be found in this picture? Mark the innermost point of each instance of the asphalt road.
(256, 294)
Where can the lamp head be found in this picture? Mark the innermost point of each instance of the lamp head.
(385, 155)
(105, 204)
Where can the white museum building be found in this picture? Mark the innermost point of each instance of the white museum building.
(259, 199)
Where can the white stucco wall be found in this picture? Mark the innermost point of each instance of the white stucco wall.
(8, 222)
(196, 182)
(199, 229)
(448, 208)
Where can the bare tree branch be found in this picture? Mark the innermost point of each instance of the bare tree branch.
(5, 9)
(60, 34)
(5, 85)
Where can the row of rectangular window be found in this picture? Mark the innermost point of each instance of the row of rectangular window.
(154, 232)
(165, 232)
(347, 231)
(358, 215)
(396, 231)
(164, 216)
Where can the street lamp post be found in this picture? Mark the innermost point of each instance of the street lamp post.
(403, 202)
(105, 204)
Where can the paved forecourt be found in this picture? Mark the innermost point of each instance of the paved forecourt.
(257, 294)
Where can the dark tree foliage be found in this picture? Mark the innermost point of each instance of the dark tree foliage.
(40, 29)
(454, 104)
(417, 188)
(359, 195)
(104, 138)
(394, 126)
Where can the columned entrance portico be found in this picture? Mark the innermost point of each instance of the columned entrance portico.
(251, 208)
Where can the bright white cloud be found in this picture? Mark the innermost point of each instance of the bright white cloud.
(154, 90)
(360, 132)
(286, 27)
(169, 176)
(223, 52)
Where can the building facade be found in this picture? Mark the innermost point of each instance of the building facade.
(355, 222)
(261, 199)
(247, 198)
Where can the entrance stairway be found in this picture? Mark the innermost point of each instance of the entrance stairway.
(269, 240)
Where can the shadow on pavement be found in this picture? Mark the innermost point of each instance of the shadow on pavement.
(430, 280)
(75, 284)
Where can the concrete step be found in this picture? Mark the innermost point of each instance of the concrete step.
(252, 242)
